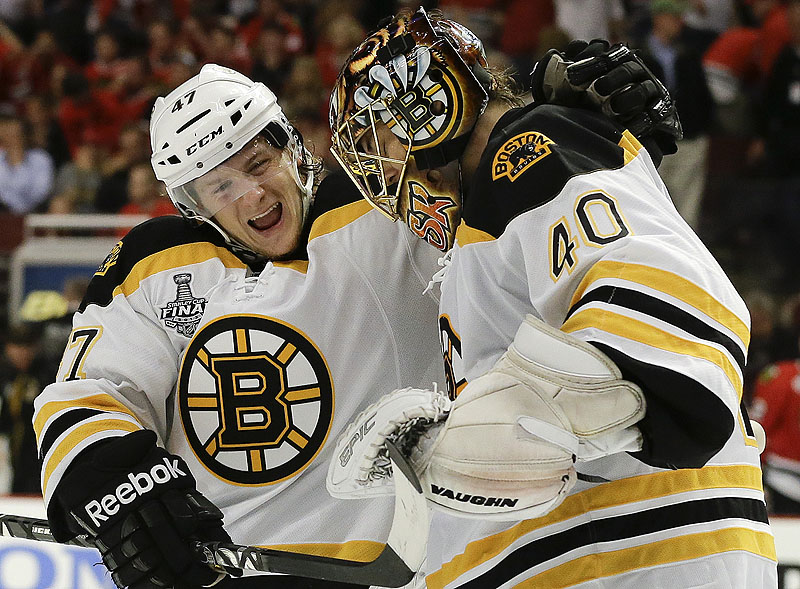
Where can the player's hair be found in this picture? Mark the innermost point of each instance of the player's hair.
(505, 88)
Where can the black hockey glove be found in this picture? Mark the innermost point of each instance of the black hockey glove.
(614, 80)
(140, 506)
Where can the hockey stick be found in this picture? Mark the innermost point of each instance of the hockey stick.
(395, 566)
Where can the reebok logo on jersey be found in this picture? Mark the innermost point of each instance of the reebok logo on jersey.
(518, 154)
(140, 483)
(474, 499)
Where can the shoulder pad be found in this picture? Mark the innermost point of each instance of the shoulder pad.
(145, 242)
(531, 154)
(335, 190)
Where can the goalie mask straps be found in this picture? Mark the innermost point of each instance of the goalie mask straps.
(550, 433)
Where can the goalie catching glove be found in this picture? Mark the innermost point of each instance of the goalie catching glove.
(506, 448)
(140, 507)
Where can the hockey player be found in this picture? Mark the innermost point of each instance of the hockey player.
(593, 347)
(216, 356)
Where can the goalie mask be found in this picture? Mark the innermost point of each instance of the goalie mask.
(402, 111)
(218, 136)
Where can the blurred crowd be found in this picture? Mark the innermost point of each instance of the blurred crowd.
(78, 79)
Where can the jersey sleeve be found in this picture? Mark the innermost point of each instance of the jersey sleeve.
(583, 216)
(120, 366)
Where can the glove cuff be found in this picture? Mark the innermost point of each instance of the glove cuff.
(115, 477)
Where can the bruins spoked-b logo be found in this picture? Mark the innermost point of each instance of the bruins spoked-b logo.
(256, 399)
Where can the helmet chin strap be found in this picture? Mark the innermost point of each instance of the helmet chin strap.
(247, 254)
(306, 187)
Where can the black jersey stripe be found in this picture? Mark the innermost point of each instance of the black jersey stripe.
(659, 519)
(671, 284)
(685, 423)
(61, 424)
(659, 309)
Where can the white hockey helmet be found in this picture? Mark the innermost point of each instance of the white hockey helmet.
(198, 126)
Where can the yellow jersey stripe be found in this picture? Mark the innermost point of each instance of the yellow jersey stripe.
(615, 493)
(101, 401)
(644, 333)
(74, 437)
(630, 145)
(297, 265)
(466, 235)
(175, 257)
(690, 546)
(337, 218)
(669, 283)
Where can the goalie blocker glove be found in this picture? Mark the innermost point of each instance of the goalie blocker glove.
(506, 448)
(140, 506)
(614, 80)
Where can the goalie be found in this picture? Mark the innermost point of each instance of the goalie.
(593, 347)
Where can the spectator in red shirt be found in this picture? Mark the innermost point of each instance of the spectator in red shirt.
(773, 32)
(337, 39)
(222, 46)
(144, 197)
(776, 406)
(107, 64)
(15, 70)
(272, 61)
(522, 25)
(162, 52)
(271, 12)
(86, 115)
(98, 115)
(46, 55)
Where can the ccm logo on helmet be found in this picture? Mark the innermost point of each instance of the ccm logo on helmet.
(204, 141)
(474, 499)
(140, 483)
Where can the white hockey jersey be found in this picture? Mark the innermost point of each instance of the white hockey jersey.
(250, 379)
(567, 219)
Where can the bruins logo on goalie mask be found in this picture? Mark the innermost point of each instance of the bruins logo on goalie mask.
(256, 399)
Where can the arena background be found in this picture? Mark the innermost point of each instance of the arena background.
(78, 78)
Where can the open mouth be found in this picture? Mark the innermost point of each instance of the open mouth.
(268, 219)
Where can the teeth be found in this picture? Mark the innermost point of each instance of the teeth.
(267, 212)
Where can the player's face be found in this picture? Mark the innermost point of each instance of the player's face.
(256, 199)
(429, 201)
